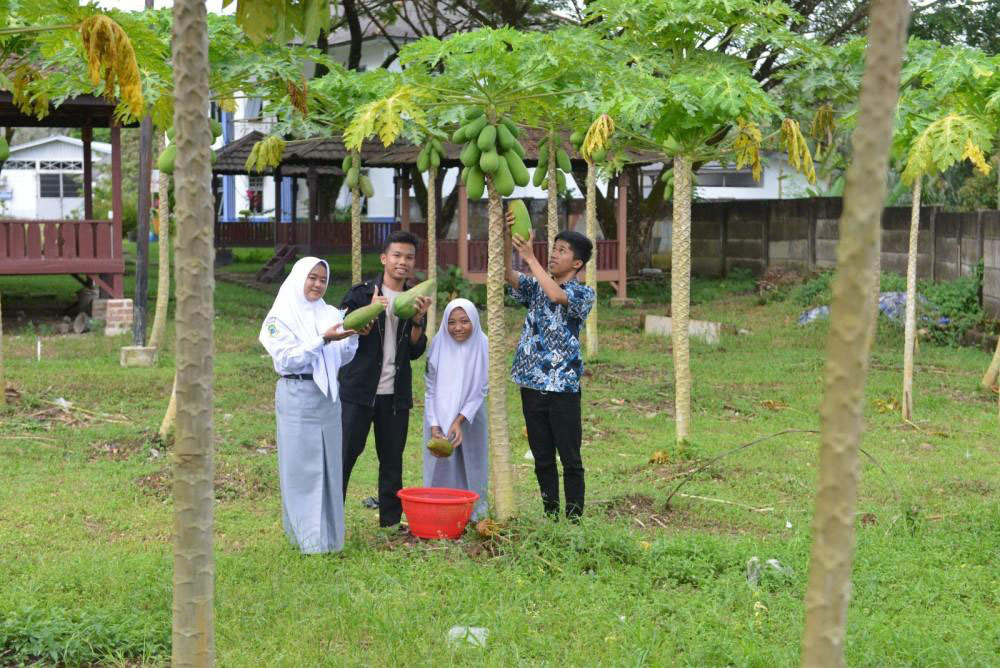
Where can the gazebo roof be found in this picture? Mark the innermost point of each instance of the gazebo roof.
(326, 154)
(73, 112)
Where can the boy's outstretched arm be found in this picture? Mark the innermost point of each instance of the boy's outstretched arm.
(545, 281)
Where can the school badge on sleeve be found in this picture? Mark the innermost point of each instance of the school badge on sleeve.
(272, 329)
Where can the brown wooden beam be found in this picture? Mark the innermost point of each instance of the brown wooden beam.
(88, 170)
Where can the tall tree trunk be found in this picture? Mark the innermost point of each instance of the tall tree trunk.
(356, 233)
(911, 303)
(680, 297)
(500, 468)
(552, 218)
(591, 215)
(194, 567)
(849, 342)
(432, 268)
(163, 269)
(140, 303)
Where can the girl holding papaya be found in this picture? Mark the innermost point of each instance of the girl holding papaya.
(454, 407)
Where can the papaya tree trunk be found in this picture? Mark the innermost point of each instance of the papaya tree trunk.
(163, 269)
(552, 218)
(591, 215)
(848, 344)
(355, 234)
(194, 568)
(171, 415)
(680, 297)
(990, 377)
(911, 304)
(500, 468)
(432, 268)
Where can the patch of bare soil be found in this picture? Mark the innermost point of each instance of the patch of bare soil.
(231, 482)
(120, 449)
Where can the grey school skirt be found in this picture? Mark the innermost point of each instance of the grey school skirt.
(309, 466)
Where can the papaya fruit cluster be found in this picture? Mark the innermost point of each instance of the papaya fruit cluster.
(165, 163)
(351, 166)
(563, 166)
(430, 155)
(576, 139)
(491, 149)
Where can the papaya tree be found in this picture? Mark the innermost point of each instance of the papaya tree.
(490, 75)
(691, 105)
(163, 276)
(849, 342)
(944, 121)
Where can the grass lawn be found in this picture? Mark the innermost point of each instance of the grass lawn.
(86, 515)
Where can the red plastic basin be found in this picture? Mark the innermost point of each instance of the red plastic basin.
(437, 512)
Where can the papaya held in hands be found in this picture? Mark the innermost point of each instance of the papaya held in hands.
(406, 306)
(360, 318)
(522, 221)
(440, 447)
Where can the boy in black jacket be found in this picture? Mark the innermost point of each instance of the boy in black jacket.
(377, 385)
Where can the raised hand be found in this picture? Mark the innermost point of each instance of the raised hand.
(380, 299)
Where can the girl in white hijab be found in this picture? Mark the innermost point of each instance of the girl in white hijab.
(306, 340)
(456, 382)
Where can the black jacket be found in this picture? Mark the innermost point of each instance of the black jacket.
(359, 378)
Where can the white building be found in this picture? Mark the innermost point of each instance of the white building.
(43, 179)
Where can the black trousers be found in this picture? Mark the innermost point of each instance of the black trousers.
(390, 440)
(553, 423)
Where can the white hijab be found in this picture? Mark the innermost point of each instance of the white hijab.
(462, 369)
(306, 320)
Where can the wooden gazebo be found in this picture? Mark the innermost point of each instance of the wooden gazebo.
(316, 235)
(89, 247)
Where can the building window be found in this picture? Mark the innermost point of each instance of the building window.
(54, 165)
(715, 177)
(20, 164)
(60, 185)
(255, 194)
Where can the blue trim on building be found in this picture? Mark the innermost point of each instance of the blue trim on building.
(286, 198)
(228, 181)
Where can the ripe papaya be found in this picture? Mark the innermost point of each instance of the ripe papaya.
(360, 317)
(475, 112)
(365, 183)
(404, 306)
(522, 221)
(435, 158)
(440, 447)
(503, 179)
(423, 159)
(487, 138)
(345, 165)
(165, 163)
(470, 154)
(216, 128)
(512, 126)
(562, 159)
(474, 127)
(505, 140)
(489, 162)
(517, 168)
(476, 183)
(353, 177)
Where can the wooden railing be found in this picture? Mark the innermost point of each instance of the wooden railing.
(327, 237)
(60, 247)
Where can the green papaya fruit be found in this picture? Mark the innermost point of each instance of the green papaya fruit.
(423, 159)
(667, 175)
(170, 134)
(470, 154)
(599, 155)
(517, 168)
(215, 157)
(538, 178)
(360, 317)
(353, 177)
(474, 113)
(474, 127)
(437, 145)
(562, 159)
(4, 149)
(440, 447)
(522, 221)
(476, 183)
(576, 139)
(216, 128)
(489, 162)
(365, 183)
(464, 176)
(165, 163)
(542, 142)
(560, 181)
(435, 159)
(458, 136)
(505, 140)
(504, 180)
(345, 165)
(518, 149)
(487, 138)
(404, 306)
(512, 126)
(543, 160)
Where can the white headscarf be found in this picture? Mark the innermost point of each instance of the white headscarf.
(461, 369)
(307, 320)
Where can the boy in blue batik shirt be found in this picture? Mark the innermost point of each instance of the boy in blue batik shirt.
(547, 363)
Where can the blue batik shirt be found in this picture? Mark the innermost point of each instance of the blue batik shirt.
(548, 355)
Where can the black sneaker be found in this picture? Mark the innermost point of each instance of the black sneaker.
(370, 502)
